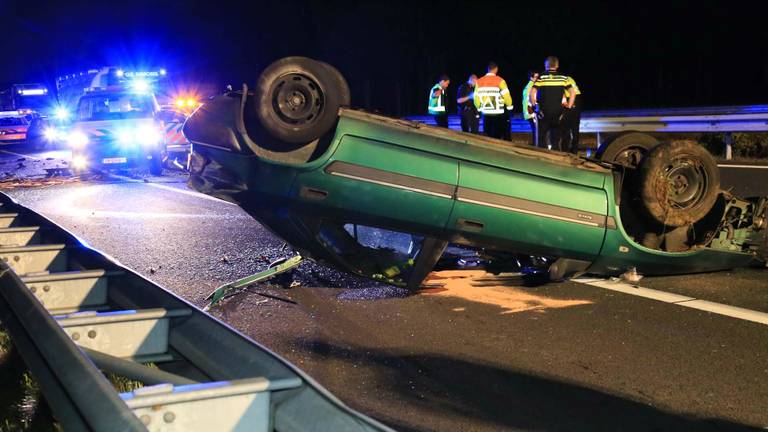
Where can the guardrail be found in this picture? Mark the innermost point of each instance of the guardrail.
(727, 119)
(75, 315)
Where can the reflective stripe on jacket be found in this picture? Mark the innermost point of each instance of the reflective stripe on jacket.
(436, 103)
(492, 95)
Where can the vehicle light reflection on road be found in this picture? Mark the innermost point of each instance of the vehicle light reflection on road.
(78, 203)
(481, 287)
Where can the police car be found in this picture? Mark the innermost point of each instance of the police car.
(13, 127)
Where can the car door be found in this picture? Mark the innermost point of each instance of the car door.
(383, 184)
(527, 212)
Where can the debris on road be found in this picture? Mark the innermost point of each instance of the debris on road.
(272, 296)
(15, 182)
(274, 269)
(631, 276)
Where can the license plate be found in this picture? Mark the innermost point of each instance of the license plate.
(114, 160)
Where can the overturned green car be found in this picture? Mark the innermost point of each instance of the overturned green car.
(382, 197)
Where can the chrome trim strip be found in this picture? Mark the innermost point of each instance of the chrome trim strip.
(378, 182)
(391, 179)
(525, 206)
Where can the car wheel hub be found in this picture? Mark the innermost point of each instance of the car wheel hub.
(686, 183)
(297, 99)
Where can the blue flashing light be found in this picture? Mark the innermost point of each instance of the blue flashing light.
(163, 71)
(140, 85)
(33, 92)
(120, 73)
(61, 113)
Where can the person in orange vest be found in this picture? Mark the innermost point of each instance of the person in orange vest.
(437, 101)
(493, 100)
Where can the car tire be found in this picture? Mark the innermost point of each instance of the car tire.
(297, 99)
(678, 183)
(156, 164)
(345, 96)
(628, 149)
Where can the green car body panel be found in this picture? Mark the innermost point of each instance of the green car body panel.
(427, 181)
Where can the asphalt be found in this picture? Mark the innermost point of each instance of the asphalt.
(483, 356)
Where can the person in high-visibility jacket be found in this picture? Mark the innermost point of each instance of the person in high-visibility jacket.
(438, 99)
(493, 100)
(572, 119)
(528, 112)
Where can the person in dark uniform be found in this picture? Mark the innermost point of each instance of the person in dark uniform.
(547, 97)
(437, 101)
(470, 117)
(572, 119)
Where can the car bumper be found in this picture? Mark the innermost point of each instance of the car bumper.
(111, 157)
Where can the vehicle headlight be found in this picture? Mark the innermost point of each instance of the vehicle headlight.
(79, 162)
(148, 136)
(125, 137)
(77, 139)
(51, 134)
(61, 113)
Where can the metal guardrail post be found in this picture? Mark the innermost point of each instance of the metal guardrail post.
(728, 146)
(597, 137)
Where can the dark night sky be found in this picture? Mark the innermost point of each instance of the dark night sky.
(623, 54)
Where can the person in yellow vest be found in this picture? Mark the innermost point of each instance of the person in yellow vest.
(528, 112)
(437, 101)
(493, 100)
(547, 97)
(571, 119)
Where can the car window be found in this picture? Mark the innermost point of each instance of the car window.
(373, 252)
(115, 107)
(12, 121)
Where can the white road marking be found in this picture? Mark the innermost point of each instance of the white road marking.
(19, 154)
(680, 300)
(743, 166)
(172, 189)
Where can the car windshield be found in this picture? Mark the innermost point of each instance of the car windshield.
(34, 102)
(12, 121)
(115, 107)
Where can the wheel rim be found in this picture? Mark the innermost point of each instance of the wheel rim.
(630, 157)
(686, 183)
(297, 99)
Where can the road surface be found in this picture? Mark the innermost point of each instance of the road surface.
(482, 354)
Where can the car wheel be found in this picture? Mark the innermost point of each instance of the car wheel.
(679, 183)
(345, 96)
(627, 149)
(156, 164)
(298, 99)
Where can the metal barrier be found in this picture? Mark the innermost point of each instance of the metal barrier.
(725, 119)
(75, 315)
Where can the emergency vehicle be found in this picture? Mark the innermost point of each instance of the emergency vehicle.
(115, 123)
(13, 127)
(27, 99)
